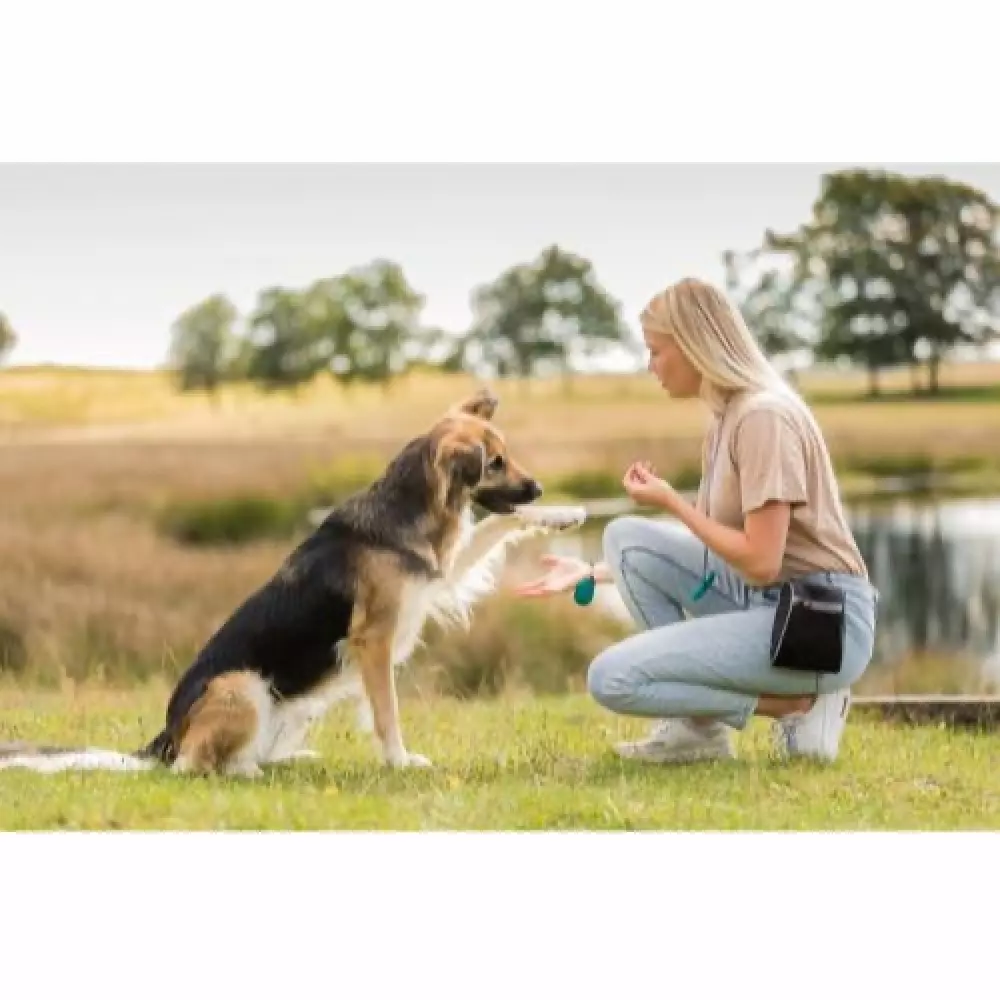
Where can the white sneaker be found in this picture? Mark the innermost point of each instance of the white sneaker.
(815, 733)
(679, 741)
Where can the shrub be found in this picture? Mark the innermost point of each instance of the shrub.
(230, 520)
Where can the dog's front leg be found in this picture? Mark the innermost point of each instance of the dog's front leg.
(504, 529)
(374, 659)
(486, 535)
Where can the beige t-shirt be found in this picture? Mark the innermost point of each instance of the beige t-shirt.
(769, 450)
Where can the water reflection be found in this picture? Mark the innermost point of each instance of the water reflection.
(937, 568)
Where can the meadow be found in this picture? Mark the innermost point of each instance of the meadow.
(511, 763)
(134, 518)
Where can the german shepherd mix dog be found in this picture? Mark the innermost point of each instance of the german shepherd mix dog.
(345, 608)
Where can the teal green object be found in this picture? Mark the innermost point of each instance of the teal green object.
(583, 592)
(702, 589)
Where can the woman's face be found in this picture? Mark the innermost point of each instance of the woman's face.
(667, 362)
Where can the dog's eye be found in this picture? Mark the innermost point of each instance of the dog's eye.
(496, 464)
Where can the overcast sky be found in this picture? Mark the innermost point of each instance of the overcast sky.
(96, 261)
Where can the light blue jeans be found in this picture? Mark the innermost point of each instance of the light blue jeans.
(715, 663)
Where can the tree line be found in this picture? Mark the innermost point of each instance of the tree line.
(888, 269)
(365, 326)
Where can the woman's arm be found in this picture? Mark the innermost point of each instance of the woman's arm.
(756, 552)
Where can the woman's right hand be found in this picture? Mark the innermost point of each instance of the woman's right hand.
(563, 574)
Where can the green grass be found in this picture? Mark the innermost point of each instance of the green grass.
(508, 764)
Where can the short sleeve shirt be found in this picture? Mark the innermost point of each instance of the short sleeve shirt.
(767, 448)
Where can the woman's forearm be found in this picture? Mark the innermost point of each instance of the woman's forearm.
(758, 564)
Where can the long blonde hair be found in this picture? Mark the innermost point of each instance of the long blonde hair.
(713, 336)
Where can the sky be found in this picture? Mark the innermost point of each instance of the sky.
(96, 261)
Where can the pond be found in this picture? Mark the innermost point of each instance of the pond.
(937, 567)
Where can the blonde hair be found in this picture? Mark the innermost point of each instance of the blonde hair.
(713, 336)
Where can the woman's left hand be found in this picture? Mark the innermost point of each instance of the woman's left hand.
(646, 488)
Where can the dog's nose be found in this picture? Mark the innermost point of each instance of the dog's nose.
(534, 489)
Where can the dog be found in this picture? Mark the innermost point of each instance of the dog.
(347, 607)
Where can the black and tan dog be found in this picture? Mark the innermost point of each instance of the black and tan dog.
(348, 606)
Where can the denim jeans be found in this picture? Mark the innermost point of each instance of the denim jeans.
(710, 657)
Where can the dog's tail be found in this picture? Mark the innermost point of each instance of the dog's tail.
(160, 750)
(48, 759)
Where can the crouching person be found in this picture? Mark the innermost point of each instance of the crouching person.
(754, 600)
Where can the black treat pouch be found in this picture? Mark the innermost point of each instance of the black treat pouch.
(808, 631)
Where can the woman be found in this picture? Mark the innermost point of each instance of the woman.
(704, 588)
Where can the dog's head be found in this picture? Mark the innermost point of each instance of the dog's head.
(473, 462)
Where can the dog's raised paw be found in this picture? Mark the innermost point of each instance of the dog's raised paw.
(552, 518)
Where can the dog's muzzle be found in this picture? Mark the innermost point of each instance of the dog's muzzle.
(499, 501)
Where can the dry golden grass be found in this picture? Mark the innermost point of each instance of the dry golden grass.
(604, 421)
(89, 587)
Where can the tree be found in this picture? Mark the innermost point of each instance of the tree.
(204, 344)
(774, 308)
(543, 316)
(890, 268)
(438, 349)
(286, 346)
(373, 323)
(8, 338)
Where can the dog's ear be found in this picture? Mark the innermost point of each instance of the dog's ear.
(469, 464)
(482, 404)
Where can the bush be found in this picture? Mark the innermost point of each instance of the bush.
(330, 484)
(589, 484)
(246, 518)
(230, 521)
(603, 484)
(916, 464)
(13, 649)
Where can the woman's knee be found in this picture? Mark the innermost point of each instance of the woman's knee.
(620, 534)
(609, 683)
(632, 532)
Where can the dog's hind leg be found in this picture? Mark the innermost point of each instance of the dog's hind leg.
(227, 727)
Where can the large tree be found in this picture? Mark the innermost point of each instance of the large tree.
(376, 323)
(545, 314)
(285, 350)
(890, 269)
(8, 338)
(204, 344)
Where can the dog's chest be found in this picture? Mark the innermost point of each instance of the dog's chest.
(417, 602)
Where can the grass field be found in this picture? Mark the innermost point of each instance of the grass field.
(100, 607)
(511, 764)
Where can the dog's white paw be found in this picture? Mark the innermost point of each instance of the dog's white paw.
(551, 518)
(408, 759)
(364, 718)
(243, 769)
